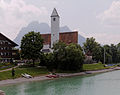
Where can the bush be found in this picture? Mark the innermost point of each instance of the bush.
(65, 57)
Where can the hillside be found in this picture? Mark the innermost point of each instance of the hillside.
(43, 28)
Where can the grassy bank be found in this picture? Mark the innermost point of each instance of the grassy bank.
(34, 71)
(37, 71)
(98, 66)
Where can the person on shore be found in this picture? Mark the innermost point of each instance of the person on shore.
(13, 73)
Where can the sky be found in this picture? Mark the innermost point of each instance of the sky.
(92, 18)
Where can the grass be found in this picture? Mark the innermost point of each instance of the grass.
(38, 71)
(34, 71)
(61, 71)
(99, 66)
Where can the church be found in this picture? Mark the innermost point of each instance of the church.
(55, 36)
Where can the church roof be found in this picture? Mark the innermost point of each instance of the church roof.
(66, 37)
(54, 13)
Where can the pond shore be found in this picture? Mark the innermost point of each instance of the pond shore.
(40, 78)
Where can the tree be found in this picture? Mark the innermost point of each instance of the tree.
(31, 45)
(68, 57)
(59, 53)
(50, 62)
(74, 57)
(89, 46)
(108, 58)
(114, 53)
(93, 48)
(43, 59)
(118, 53)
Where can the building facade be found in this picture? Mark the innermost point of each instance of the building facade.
(7, 49)
(55, 36)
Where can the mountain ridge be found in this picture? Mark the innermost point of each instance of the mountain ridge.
(43, 28)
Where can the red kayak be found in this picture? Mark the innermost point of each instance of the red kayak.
(52, 76)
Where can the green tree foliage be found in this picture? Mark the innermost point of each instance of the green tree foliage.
(43, 59)
(108, 52)
(66, 57)
(112, 53)
(93, 48)
(59, 53)
(118, 52)
(89, 46)
(31, 45)
(74, 57)
(50, 62)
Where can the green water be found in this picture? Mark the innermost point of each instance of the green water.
(101, 84)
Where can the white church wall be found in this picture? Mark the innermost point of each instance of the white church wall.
(46, 46)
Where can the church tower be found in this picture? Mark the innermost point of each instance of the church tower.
(55, 28)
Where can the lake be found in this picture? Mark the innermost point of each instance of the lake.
(99, 84)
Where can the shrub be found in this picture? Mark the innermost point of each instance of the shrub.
(65, 57)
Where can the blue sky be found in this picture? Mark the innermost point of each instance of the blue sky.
(92, 18)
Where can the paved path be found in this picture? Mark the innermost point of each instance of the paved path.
(8, 69)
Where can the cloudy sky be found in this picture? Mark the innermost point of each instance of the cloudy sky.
(92, 18)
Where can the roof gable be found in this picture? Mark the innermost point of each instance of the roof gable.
(2, 37)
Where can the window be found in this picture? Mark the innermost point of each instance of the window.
(5, 48)
(54, 19)
(6, 42)
(1, 54)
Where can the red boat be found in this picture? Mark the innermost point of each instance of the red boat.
(52, 76)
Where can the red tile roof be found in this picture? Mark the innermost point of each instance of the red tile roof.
(67, 37)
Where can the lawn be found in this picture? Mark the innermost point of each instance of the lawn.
(97, 66)
(37, 71)
(34, 71)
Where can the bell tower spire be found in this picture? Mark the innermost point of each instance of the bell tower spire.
(54, 13)
(55, 28)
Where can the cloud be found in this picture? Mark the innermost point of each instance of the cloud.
(16, 13)
(102, 38)
(52, 2)
(111, 16)
(105, 38)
